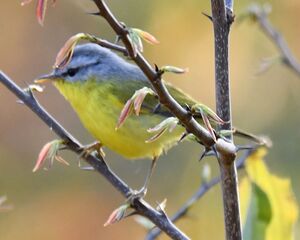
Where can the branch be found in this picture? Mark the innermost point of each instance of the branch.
(154, 77)
(260, 14)
(222, 20)
(107, 44)
(202, 190)
(139, 205)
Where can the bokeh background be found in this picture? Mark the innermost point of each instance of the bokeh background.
(67, 203)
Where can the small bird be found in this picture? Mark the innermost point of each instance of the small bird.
(98, 83)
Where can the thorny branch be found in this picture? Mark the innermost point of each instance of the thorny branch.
(201, 191)
(222, 17)
(141, 207)
(260, 14)
(154, 77)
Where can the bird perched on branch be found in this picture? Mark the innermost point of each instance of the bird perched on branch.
(98, 84)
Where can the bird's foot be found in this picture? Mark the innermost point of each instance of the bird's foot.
(95, 146)
(88, 149)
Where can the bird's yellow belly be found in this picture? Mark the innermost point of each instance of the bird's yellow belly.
(99, 113)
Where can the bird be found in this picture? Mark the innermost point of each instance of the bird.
(97, 83)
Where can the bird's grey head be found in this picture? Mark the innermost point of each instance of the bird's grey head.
(90, 61)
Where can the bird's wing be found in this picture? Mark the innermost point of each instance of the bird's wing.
(183, 99)
(151, 103)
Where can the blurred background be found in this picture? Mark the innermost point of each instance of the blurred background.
(67, 203)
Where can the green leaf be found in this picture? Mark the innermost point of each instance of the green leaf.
(173, 69)
(271, 207)
(259, 214)
(167, 124)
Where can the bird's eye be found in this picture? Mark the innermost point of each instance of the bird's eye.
(72, 71)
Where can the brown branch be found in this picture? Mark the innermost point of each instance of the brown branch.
(260, 14)
(107, 44)
(202, 190)
(139, 205)
(165, 98)
(226, 151)
(222, 20)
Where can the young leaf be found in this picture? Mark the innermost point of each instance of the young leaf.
(139, 96)
(49, 152)
(208, 125)
(173, 69)
(134, 103)
(167, 124)
(136, 35)
(117, 215)
(125, 113)
(156, 136)
(198, 108)
(40, 9)
(65, 54)
(136, 41)
(145, 36)
(42, 156)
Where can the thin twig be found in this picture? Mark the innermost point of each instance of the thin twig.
(260, 14)
(202, 190)
(109, 45)
(98, 163)
(222, 19)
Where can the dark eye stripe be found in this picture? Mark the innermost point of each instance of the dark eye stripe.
(73, 71)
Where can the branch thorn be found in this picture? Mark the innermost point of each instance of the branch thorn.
(208, 16)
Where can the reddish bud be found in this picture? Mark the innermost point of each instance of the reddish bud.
(42, 156)
(49, 151)
(40, 9)
(145, 36)
(117, 215)
(134, 103)
(126, 111)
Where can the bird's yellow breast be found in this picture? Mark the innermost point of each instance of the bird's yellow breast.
(99, 108)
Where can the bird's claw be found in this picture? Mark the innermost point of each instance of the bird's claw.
(88, 149)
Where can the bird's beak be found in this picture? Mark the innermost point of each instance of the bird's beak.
(46, 78)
